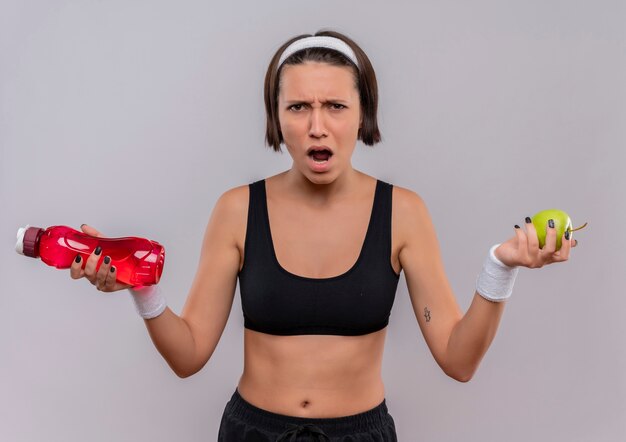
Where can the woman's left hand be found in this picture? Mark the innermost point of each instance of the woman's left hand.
(523, 249)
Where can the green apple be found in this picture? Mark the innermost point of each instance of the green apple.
(562, 223)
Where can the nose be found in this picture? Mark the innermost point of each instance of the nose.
(317, 128)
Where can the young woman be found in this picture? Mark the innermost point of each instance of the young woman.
(318, 250)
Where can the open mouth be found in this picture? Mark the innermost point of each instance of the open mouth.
(320, 155)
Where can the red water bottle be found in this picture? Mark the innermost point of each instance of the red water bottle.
(138, 261)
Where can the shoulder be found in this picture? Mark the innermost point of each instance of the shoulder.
(231, 208)
(229, 216)
(407, 203)
(234, 199)
(409, 215)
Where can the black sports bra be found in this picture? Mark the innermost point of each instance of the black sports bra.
(278, 302)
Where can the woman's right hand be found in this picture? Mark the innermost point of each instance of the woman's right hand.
(105, 278)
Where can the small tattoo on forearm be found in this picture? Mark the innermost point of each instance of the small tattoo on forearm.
(427, 314)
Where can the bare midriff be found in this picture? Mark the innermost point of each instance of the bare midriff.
(315, 376)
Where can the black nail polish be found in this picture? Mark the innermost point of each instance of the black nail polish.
(77, 259)
(112, 269)
(528, 220)
(516, 226)
(551, 223)
(107, 259)
(567, 234)
(98, 250)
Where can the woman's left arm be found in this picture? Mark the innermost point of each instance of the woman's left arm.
(457, 341)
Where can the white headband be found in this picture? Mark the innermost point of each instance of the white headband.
(319, 42)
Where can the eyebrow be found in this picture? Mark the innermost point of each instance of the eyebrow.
(308, 101)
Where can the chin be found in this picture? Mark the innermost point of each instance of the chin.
(320, 178)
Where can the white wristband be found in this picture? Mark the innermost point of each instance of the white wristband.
(149, 301)
(495, 282)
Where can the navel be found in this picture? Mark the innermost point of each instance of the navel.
(305, 403)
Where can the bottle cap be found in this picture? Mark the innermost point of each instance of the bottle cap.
(27, 241)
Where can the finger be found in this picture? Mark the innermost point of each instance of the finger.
(564, 251)
(76, 269)
(533, 240)
(110, 281)
(550, 247)
(92, 264)
(103, 271)
(575, 242)
(90, 230)
(522, 243)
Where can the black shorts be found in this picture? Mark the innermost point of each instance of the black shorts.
(243, 422)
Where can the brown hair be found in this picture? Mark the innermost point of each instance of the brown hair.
(365, 82)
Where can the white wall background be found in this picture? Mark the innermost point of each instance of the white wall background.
(134, 116)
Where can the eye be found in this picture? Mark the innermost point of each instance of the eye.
(337, 106)
(296, 107)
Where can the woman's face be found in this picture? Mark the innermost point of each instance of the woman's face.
(319, 114)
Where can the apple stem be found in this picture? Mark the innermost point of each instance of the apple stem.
(578, 228)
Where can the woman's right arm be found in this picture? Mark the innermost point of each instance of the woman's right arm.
(187, 341)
